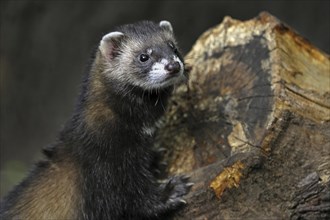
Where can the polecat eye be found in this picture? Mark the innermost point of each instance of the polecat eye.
(171, 45)
(144, 57)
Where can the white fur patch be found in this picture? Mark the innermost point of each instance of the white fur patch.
(158, 76)
(149, 51)
(177, 59)
(158, 69)
(148, 130)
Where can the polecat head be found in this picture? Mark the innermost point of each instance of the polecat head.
(143, 54)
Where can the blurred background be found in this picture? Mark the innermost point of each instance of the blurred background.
(45, 47)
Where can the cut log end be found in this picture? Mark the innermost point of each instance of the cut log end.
(258, 94)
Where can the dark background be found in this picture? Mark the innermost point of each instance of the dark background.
(46, 45)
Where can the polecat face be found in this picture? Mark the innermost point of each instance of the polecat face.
(144, 55)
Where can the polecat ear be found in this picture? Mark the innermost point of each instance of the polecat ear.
(166, 25)
(110, 43)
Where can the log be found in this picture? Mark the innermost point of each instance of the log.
(252, 125)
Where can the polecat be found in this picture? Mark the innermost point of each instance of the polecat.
(102, 165)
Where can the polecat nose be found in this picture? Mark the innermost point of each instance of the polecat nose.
(173, 67)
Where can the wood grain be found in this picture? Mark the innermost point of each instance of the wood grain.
(258, 93)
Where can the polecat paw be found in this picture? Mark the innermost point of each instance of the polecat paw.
(176, 187)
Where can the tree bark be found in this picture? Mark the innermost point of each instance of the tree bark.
(252, 125)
